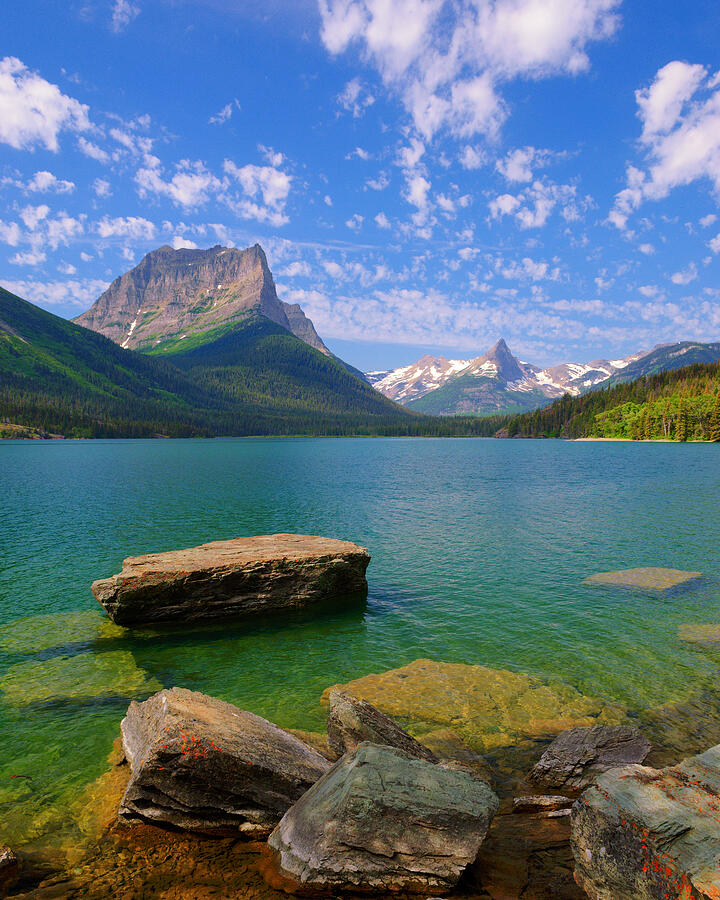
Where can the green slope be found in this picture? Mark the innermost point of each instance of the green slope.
(251, 377)
(476, 395)
(675, 404)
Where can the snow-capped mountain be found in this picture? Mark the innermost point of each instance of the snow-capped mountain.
(499, 368)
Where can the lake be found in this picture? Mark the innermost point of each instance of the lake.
(479, 549)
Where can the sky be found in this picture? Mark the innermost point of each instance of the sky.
(425, 176)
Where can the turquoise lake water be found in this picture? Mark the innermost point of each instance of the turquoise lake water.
(479, 549)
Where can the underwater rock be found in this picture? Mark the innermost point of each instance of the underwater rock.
(62, 629)
(706, 634)
(9, 869)
(488, 708)
(352, 721)
(574, 759)
(382, 820)
(78, 678)
(646, 579)
(202, 764)
(453, 752)
(640, 833)
(235, 578)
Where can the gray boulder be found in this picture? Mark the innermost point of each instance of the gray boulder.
(352, 721)
(649, 834)
(201, 764)
(382, 820)
(236, 578)
(576, 757)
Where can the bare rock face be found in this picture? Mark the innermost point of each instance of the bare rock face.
(382, 821)
(174, 293)
(651, 834)
(576, 757)
(352, 721)
(204, 765)
(233, 578)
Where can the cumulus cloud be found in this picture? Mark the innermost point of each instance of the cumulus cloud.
(354, 223)
(190, 187)
(225, 113)
(685, 276)
(266, 190)
(33, 111)
(182, 243)
(126, 227)
(92, 150)
(446, 61)
(44, 182)
(680, 139)
(55, 293)
(532, 207)
(472, 158)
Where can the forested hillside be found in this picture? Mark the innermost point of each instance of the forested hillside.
(681, 405)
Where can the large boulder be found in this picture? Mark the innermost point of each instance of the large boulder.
(235, 578)
(382, 821)
(201, 764)
(574, 759)
(649, 834)
(488, 708)
(352, 721)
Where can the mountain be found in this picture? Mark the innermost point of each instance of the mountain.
(498, 382)
(246, 376)
(173, 293)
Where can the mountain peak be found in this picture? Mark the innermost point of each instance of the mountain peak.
(172, 293)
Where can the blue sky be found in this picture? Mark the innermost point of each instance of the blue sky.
(425, 175)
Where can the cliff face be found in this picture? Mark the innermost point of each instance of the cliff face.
(172, 293)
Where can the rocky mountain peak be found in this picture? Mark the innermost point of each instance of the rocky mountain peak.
(174, 293)
(498, 361)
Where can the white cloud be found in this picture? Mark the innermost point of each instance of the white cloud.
(379, 183)
(130, 227)
(529, 269)
(354, 223)
(532, 207)
(516, 165)
(472, 158)
(327, 200)
(62, 229)
(647, 249)
(54, 293)
(649, 290)
(686, 275)
(446, 60)
(265, 183)
(67, 269)
(46, 182)
(9, 233)
(182, 243)
(34, 111)
(92, 150)
(123, 13)
(33, 215)
(714, 244)
(355, 98)
(225, 113)
(359, 153)
(382, 221)
(101, 186)
(28, 258)
(708, 220)
(297, 268)
(680, 112)
(190, 187)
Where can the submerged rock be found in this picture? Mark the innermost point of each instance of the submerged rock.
(642, 833)
(574, 759)
(646, 579)
(706, 634)
(240, 577)
(9, 869)
(202, 764)
(488, 708)
(62, 629)
(80, 678)
(352, 721)
(381, 820)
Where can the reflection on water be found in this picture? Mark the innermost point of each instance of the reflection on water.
(479, 552)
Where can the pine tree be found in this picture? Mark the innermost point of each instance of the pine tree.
(682, 426)
(714, 430)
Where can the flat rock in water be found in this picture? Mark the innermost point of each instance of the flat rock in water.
(643, 834)
(646, 579)
(352, 721)
(700, 634)
(488, 708)
(201, 764)
(235, 578)
(382, 821)
(574, 759)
